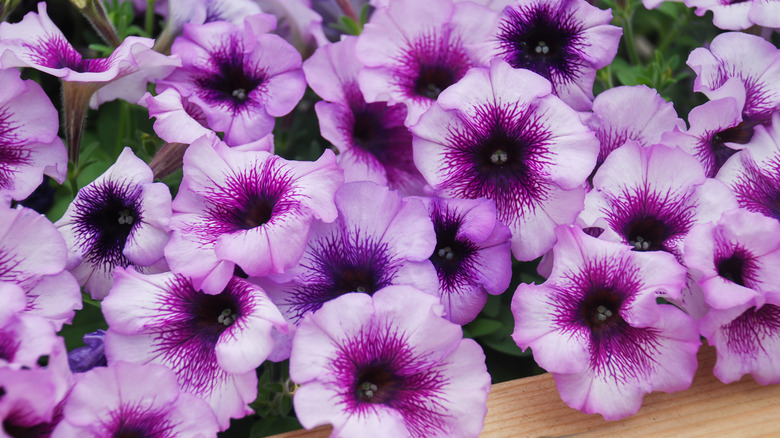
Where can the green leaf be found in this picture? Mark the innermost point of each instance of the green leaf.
(481, 327)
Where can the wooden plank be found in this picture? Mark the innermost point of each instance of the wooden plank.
(531, 407)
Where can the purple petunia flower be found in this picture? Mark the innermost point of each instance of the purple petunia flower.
(735, 264)
(596, 326)
(127, 399)
(33, 256)
(745, 67)
(650, 197)
(29, 146)
(413, 50)
(118, 220)
(501, 134)
(716, 133)
(565, 41)
(371, 367)
(30, 405)
(239, 77)
(246, 208)
(297, 23)
(377, 240)
(739, 14)
(753, 172)
(472, 255)
(617, 118)
(373, 143)
(213, 343)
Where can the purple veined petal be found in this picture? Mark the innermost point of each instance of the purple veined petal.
(737, 15)
(752, 60)
(517, 152)
(382, 365)
(563, 41)
(29, 146)
(192, 332)
(128, 398)
(177, 120)
(118, 220)
(30, 405)
(595, 324)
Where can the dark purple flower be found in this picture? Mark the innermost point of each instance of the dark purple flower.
(501, 134)
(596, 326)
(371, 366)
(413, 50)
(118, 220)
(373, 143)
(213, 343)
(130, 400)
(565, 41)
(85, 358)
(239, 77)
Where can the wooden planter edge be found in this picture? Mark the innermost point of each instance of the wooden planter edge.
(531, 407)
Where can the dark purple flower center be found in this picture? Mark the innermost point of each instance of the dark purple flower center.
(106, 215)
(339, 264)
(758, 186)
(229, 78)
(377, 385)
(716, 148)
(647, 233)
(738, 267)
(452, 256)
(600, 311)
(136, 422)
(55, 52)
(501, 154)
(13, 153)
(433, 63)
(543, 39)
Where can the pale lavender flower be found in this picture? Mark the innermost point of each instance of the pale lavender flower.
(565, 41)
(501, 134)
(127, 399)
(650, 197)
(596, 326)
(745, 67)
(373, 143)
(472, 255)
(735, 264)
(753, 172)
(118, 220)
(29, 146)
(248, 209)
(717, 132)
(29, 406)
(239, 77)
(413, 50)
(213, 342)
(297, 22)
(388, 366)
(739, 14)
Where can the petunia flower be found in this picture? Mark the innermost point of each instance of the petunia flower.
(734, 262)
(472, 255)
(29, 146)
(239, 77)
(413, 50)
(297, 23)
(753, 172)
(596, 326)
(371, 366)
(565, 41)
(31, 405)
(118, 220)
(745, 67)
(373, 143)
(717, 132)
(213, 342)
(739, 14)
(37, 42)
(501, 134)
(377, 240)
(33, 256)
(650, 197)
(248, 209)
(127, 399)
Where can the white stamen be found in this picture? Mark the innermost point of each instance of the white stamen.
(640, 244)
(542, 48)
(239, 93)
(125, 218)
(227, 317)
(603, 314)
(367, 390)
(499, 157)
(361, 289)
(446, 253)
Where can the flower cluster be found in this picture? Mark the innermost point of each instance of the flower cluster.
(224, 251)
